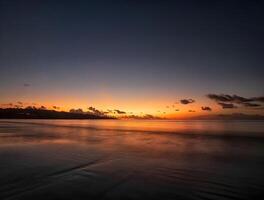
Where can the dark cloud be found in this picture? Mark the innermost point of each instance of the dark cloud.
(177, 110)
(222, 97)
(233, 116)
(148, 116)
(206, 108)
(95, 111)
(26, 84)
(56, 107)
(239, 99)
(247, 104)
(191, 110)
(228, 101)
(19, 102)
(120, 112)
(258, 99)
(234, 98)
(187, 101)
(228, 98)
(227, 105)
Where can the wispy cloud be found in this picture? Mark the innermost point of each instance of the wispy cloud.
(247, 104)
(229, 101)
(120, 112)
(56, 107)
(187, 101)
(227, 105)
(95, 111)
(258, 99)
(206, 108)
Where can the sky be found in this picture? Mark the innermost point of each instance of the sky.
(140, 57)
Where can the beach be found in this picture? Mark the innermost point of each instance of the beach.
(131, 159)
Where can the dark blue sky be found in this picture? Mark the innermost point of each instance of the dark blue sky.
(130, 49)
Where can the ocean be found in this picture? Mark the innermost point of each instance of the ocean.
(131, 159)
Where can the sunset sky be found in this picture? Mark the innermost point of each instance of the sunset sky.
(140, 57)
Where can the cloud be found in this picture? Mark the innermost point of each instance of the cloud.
(177, 110)
(95, 111)
(228, 98)
(206, 108)
(187, 101)
(228, 101)
(227, 105)
(148, 116)
(56, 107)
(222, 97)
(258, 99)
(26, 84)
(191, 110)
(234, 98)
(120, 112)
(232, 116)
(247, 104)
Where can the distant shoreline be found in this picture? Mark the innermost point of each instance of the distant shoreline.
(38, 113)
(33, 113)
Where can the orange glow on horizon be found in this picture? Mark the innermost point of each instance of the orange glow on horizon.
(159, 108)
(166, 107)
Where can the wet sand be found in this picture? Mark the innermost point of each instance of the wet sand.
(82, 159)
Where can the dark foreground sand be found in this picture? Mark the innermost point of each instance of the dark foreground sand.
(92, 161)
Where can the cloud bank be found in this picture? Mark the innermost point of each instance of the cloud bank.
(233, 101)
